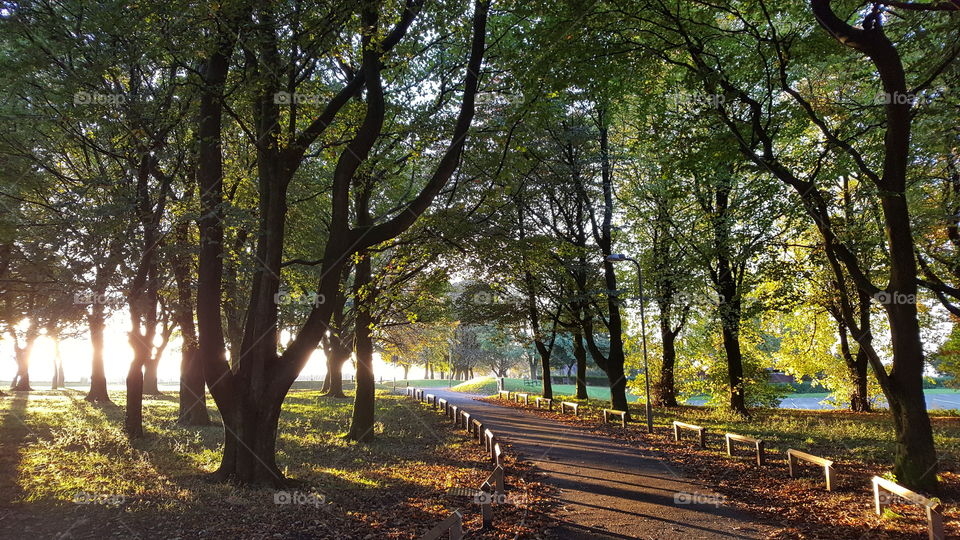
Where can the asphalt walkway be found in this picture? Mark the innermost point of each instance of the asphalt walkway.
(608, 489)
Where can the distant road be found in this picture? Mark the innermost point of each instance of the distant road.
(936, 400)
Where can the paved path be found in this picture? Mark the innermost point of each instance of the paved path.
(609, 489)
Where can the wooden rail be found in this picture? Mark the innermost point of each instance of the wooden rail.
(758, 443)
(548, 401)
(793, 456)
(610, 413)
(701, 432)
(526, 397)
(504, 394)
(453, 525)
(443, 405)
(431, 400)
(564, 405)
(933, 507)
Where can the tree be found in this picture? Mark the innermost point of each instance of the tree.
(251, 424)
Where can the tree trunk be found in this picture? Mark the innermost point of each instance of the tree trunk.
(57, 381)
(98, 379)
(362, 423)
(21, 381)
(614, 363)
(664, 392)
(133, 419)
(335, 367)
(729, 308)
(250, 434)
(580, 353)
(150, 382)
(193, 392)
(731, 346)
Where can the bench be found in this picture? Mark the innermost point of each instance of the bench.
(548, 401)
(503, 394)
(530, 382)
(758, 443)
(933, 507)
(564, 405)
(526, 397)
(453, 525)
(794, 456)
(701, 432)
(611, 413)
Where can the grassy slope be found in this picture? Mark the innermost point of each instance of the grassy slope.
(488, 386)
(54, 446)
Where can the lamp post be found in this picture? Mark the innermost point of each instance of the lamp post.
(617, 257)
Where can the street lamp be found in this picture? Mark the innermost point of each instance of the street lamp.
(617, 257)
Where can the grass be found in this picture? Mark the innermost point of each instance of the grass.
(488, 386)
(842, 435)
(57, 450)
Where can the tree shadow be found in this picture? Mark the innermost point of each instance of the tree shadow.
(15, 433)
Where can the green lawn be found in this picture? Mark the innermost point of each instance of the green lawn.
(58, 452)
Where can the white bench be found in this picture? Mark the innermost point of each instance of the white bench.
(758, 443)
(611, 413)
(794, 456)
(564, 405)
(701, 432)
(933, 507)
(548, 401)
